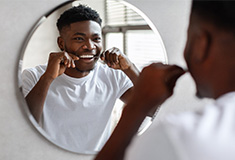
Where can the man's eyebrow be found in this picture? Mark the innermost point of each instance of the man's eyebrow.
(96, 34)
(78, 33)
(83, 34)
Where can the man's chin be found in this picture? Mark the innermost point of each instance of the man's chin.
(198, 95)
(202, 95)
(84, 69)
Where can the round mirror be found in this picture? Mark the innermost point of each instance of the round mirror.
(124, 27)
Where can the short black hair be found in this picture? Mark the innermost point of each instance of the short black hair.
(220, 13)
(77, 14)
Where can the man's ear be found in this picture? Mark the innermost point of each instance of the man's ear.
(60, 42)
(203, 43)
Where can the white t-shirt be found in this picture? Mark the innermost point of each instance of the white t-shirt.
(205, 135)
(77, 111)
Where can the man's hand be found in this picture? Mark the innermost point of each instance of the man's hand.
(155, 84)
(58, 62)
(115, 59)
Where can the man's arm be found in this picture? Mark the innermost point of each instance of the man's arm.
(154, 86)
(36, 97)
(115, 59)
(133, 73)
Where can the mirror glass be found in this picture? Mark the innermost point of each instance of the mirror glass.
(123, 26)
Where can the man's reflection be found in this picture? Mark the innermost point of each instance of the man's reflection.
(73, 95)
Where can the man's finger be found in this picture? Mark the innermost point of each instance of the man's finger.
(173, 76)
(72, 56)
(102, 57)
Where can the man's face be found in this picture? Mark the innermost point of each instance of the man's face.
(188, 48)
(83, 39)
(191, 50)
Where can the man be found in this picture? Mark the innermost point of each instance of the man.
(205, 135)
(72, 97)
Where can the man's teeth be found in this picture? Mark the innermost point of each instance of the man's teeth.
(86, 56)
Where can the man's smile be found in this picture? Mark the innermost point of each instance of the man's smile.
(86, 56)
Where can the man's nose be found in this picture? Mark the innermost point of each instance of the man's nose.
(89, 45)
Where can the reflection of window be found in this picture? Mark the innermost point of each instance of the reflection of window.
(126, 29)
(117, 13)
(141, 46)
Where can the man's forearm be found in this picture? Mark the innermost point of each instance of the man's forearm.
(132, 72)
(36, 97)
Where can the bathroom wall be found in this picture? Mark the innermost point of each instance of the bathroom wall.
(19, 140)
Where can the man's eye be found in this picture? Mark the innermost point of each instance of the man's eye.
(78, 38)
(98, 39)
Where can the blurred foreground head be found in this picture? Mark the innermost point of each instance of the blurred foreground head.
(210, 48)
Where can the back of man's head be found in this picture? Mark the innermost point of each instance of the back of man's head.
(219, 13)
(77, 14)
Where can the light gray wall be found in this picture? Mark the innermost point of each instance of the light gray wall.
(18, 138)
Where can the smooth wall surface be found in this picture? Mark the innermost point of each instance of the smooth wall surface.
(19, 140)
